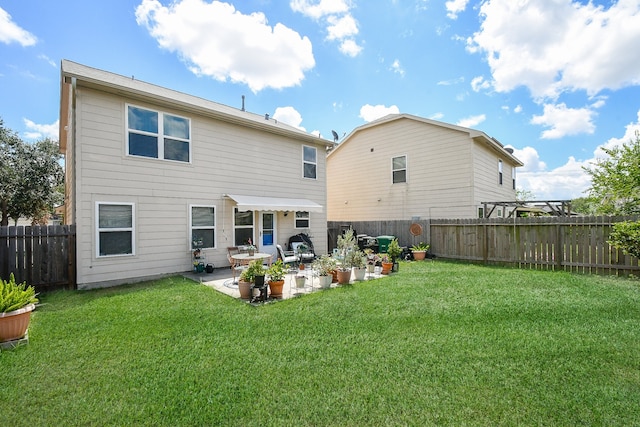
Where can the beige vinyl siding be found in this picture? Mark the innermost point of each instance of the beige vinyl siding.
(226, 159)
(487, 185)
(439, 173)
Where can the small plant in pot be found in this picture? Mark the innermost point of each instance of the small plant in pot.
(17, 301)
(419, 251)
(357, 260)
(324, 266)
(248, 278)
(386, 262)
(394, 252)
(276, 273)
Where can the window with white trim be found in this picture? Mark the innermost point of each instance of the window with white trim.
(303, 219)
(309, 162)
(513, 175)
(399, 169)
(158, 135)
(114, 229)
(203, 226)
(242, 227)
(500, 172)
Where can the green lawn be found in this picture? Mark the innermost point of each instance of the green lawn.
(436, 344)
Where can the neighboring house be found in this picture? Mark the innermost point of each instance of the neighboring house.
(404, 167)
(152, 174)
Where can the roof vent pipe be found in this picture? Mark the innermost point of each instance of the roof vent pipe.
(266, 116)
(242, 102)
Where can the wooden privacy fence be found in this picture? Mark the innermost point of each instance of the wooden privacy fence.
(42, 256)
(576, 244)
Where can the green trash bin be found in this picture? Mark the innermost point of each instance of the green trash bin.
(383, 243)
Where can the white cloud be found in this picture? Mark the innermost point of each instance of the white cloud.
(10, 32)
(454, 7)
(216, 40)
(569, 180)
(479, 83)
(559, 46)
(564, 121)
(471, 121)
(373, 112)
(336, 16)
(320, 9)
(450, 82)
(350, 48)
(518, 109)
(38, 131)
(397, 68)
(290, 116)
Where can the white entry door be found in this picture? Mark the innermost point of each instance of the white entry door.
(268, 236)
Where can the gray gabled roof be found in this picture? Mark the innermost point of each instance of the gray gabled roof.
(473, 133)
(129, 86)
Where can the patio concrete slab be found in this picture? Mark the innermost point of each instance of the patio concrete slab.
(222, 281)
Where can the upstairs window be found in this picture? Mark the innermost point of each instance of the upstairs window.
(302, 219)
(513, 174)
(500, 172)
(309, 162)
(203, 227)
(158, 135)
(399, 169)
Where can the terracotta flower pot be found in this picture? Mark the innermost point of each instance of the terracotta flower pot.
(276, 288)
(419, 255)
(386, 267)
(344, 277)
(14, 324)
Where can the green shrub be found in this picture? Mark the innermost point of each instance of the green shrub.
(626, 236)
(14, 296)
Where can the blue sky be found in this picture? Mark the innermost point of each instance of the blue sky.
(554, 79)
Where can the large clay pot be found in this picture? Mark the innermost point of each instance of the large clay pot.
(419, 255)
(245, 289)
(276, 288)
(344, 276)
(14, 324)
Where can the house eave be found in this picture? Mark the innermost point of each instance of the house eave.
(136, 89)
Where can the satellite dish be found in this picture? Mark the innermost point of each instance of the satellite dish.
(335, 136)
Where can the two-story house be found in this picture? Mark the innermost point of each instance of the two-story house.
(404, 167)
(152, 174)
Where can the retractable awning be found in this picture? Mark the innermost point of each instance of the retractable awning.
(260, 203)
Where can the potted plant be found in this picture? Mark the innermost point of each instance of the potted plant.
(300, 280)
(419, 251)
(248, 277)
(372, 260)
(324, 266)
(386, 262)
(346, 245)
(17, 301)
(356, 259)
(394, 252)
(276, 273)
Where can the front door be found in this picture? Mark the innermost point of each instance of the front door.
(268, 233)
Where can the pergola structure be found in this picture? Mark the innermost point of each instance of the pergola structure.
(546, 207)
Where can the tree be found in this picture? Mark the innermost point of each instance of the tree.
(31, 177)
(615, 181)
(626, 236)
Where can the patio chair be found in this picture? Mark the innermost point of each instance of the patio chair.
(287, 257)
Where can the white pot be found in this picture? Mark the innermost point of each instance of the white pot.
(359, 273)
(300, 282)
(325, 281)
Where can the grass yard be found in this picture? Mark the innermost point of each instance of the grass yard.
(436, 344)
